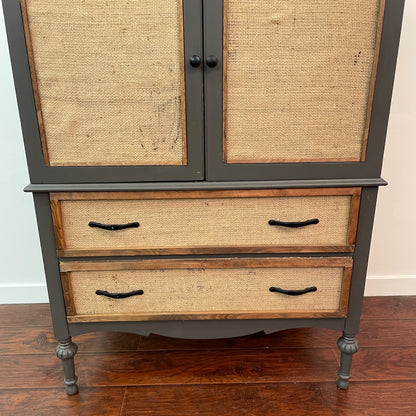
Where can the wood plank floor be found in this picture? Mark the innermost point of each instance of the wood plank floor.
(288, 373)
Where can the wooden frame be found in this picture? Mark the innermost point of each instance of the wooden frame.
(373, 78)
(62, 251)
(232, 263)
(34, 81)
(231, 193)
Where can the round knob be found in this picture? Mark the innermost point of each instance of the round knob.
(195, 61)
(212, 61)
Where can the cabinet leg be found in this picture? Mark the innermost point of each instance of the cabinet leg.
(66, 351)
(348, 346)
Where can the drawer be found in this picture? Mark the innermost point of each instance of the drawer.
(199, 222)
(206, 289)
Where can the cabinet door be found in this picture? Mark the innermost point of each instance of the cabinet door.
(113, 90)
(297, 80)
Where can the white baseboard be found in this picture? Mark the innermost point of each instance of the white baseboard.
(375, 286)
(23, 294)
(390, 286)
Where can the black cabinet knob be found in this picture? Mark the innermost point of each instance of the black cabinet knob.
(195, 61)
(212, 61)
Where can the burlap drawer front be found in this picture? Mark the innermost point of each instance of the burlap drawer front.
(108, 76)
(297, 78)
(207, 290)
(206, 222)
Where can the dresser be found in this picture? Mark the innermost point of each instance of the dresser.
(204, 168)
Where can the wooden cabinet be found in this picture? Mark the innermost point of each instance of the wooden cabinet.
(204, 168)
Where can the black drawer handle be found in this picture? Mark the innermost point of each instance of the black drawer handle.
(119, 295)
(294, 224)
(293, 292)
(113, 227)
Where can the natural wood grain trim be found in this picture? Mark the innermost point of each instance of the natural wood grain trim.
(225, 263)
(33, 75)
(203, 250)
(122, 163)
(231, 193)
(209, 316)
(183, 85)
(224, 81)
(345, 290)
(353, 223)
(57, 224)
(373, 79)
(67, 292)
(297, 160)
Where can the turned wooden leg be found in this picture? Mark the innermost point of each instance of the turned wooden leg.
(66, 351)
(348, 346)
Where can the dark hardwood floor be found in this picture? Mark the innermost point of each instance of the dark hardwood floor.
(288, 373)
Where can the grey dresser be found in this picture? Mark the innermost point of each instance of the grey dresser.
(204, 168)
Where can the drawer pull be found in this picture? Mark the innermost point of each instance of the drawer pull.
(119, 295)
(113, 227)
(294, 224)
(293, 292)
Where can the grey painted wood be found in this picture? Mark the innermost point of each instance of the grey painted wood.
(40, 173)
(348, 346)
(192, 186)
(218, 170)
(213, 94)
(65, 351)
(23, 85)
(206, 329)
(386, 69)
(361, 253)
(51, 265)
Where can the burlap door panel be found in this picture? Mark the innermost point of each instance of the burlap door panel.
(298, 79)
(108, 78)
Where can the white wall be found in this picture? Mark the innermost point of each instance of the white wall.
(392, 268)
(21, 273)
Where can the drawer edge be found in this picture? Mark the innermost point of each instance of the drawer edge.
(252, 249)
(208, 316)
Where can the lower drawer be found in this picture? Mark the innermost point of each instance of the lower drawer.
(206, 289)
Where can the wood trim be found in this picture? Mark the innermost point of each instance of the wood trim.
(232, 193)
(373, 79)
(202, 250)
(345, 290)
(208, 316)
(226, 263)
(57, 224)
(183, 85)
(224, 80)
(32, 66)
(123, 163)
(67, 292)
(299, 160)
(353, 223)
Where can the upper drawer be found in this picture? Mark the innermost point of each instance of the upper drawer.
(196, 222)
